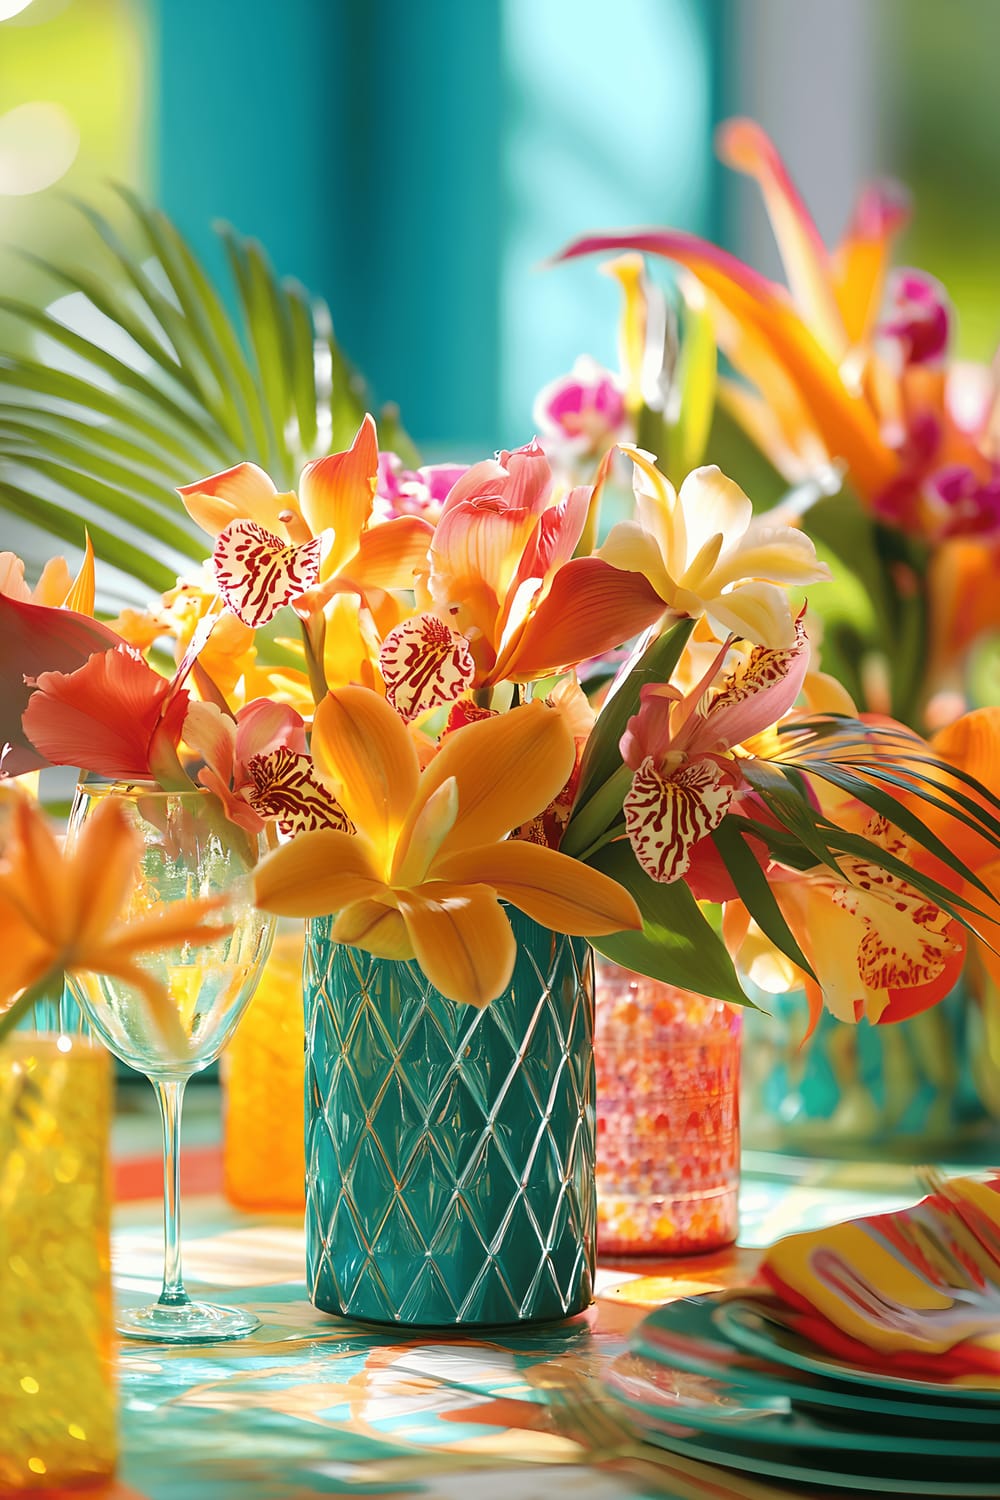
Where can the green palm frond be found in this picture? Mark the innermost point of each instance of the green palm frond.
(146, 382)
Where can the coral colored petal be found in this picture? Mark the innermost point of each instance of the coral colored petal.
(388, 555)
(462, 940)
(243, 493)
(257, 573)
(590, 608)
(336, 494)
(424, 664)
(848, 427)
(315, 874)
(367, 757)
(35, 639)
(105, 716)
(559, 892)
(630, 548)
(757, 695)
(506, 768)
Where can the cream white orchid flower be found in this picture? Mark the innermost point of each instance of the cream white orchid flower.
(704, 553)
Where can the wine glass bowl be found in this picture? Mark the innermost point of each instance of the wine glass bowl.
(189, 849)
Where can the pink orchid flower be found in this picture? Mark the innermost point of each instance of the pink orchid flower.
(257, 764)
(414, 492)
(583, 413)
(679, 745)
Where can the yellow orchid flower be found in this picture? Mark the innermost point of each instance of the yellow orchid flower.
(705, 554)
(426, 872)
(60, 912)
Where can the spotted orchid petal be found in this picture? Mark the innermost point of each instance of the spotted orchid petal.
(667, 814)
(758, 694)
(284, 786)
(425, 664)
(257, 573)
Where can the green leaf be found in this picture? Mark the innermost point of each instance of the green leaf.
(755, 893)
(602, 756)
(677, 944)
(695, 383)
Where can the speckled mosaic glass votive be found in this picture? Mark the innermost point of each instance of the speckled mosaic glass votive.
(263, 1078)
(668, 1133)
(57, 1401)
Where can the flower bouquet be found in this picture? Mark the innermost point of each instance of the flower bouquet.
(846, 385)
(496, 743)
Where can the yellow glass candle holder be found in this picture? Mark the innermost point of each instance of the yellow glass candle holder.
(57, 1399)
(263, 1077)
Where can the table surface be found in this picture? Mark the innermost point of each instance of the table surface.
(311, 1405)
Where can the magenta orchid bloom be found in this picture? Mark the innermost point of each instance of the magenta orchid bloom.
(505, 598)
(679, 746)
(583, 413)
(414, 492)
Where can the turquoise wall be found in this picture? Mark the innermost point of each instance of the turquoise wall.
(415, 160)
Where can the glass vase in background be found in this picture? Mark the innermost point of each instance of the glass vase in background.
(57, 1397)
(923, 1089)
(668, 1121)
(449, 1149)
(189, 849)
(263, 1083)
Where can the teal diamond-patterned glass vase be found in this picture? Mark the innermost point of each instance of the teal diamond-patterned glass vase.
(449, 1150)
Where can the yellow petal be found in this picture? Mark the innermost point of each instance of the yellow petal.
(712, 503)
(461, 939)
(377, 928)
(81, 595)
(316, 874)
(507, 769)
(559, 892)
(629, 547)
(365, 754)
(758, 612)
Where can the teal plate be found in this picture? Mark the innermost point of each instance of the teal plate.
(683, 1335)
(747, 1326)
(714, 1405)
(875, 1473)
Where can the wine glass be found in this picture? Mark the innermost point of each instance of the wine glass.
(189, 849)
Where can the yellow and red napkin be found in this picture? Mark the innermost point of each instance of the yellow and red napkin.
(915, 1292)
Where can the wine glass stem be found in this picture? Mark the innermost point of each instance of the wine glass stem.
(171, 1094)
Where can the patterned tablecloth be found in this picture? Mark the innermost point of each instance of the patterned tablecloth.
(312, 1406)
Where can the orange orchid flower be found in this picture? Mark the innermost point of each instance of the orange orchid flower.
(55, 588)
(275, 549)
(60, 912)
(503, 597)
(428, 867)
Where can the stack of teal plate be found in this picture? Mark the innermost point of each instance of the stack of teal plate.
(714, 1378)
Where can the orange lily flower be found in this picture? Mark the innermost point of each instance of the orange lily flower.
(60, 912)
(426, 871)
(275, 549)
